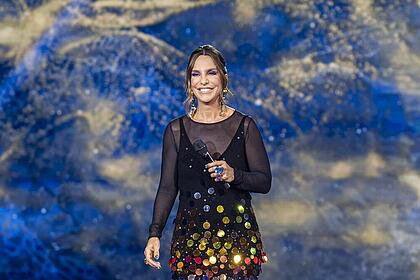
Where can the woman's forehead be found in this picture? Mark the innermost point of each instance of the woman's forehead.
(204, 61)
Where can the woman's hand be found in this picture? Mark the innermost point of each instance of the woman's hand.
(152, 250)
(227, 174)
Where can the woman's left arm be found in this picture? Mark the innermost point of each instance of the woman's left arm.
(258, 179)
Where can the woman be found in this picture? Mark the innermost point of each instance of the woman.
(216, 234)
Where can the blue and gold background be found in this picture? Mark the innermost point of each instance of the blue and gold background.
(87, 87)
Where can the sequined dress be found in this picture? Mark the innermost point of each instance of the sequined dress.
(216, 234)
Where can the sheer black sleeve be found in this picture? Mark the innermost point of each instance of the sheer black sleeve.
(258, 179)
(167, 190)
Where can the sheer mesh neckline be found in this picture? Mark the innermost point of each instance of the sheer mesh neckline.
(234, 112)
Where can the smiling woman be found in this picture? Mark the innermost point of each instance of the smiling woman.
(216, 234)
(206, 79)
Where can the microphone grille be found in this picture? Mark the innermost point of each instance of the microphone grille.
(216, 155)
(200, 147)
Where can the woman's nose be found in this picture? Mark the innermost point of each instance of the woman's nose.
(204, 80)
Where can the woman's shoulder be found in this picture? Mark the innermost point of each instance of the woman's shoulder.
(247, 118)
(249, 122)
(174, 123)
(242, 114)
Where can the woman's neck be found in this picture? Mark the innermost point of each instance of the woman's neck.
(210, 114)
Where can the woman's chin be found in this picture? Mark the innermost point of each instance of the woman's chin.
(208, 99)
(205, 98)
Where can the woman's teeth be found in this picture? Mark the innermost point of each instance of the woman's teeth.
(205, 90)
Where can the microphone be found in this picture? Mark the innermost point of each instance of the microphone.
(201, 148)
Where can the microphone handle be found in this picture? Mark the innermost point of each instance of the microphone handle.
(226, 184)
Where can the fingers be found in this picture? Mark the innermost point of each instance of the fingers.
(215, 163)
(212, 165)
(149, 253)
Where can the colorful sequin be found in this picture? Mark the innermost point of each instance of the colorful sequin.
(214, 249)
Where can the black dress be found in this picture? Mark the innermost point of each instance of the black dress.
(216, 235)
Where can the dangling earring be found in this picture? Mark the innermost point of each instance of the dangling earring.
(223, 103)
(193, 109)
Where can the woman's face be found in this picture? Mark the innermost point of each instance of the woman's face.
(206, 81)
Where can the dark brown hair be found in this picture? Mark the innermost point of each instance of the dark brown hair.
(218, 59)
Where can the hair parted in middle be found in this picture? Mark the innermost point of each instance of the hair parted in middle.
(220, 63)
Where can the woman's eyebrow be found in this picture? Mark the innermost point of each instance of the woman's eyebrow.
(205, 71)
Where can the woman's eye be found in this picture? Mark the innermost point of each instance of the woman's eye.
(213, 72)
(194, 74)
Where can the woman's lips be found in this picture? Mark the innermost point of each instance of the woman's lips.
(205, 90)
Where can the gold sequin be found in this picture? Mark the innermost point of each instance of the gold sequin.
(202, 246)
(212, 259)
(223, 259)
(190, 242)
(227, 245)
(223, 251)
(243, 241)
(222, 277)
(206, 225)
(235, 251)
(210, 252)
(180, 264)
(238, 219)
(215, 269)
(220, 208)
(240, 208)
(237, 259)
(196, 236)
(207, 234)
(221, 233)
(247, 225)
(254, 239)
(204, 241)
(177, 253)
(196, 253)
(206, 262)
(226, 220)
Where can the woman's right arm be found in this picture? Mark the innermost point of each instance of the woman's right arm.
(167, 190)
(165, 197)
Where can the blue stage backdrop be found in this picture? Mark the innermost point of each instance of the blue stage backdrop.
(87, 87)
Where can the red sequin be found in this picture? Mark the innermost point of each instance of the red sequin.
(188, 258)
(197, 260)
